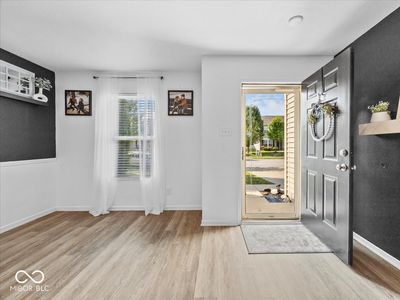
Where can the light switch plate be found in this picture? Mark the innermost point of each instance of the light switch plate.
(225, 132)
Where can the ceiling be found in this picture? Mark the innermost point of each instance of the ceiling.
(174, 35)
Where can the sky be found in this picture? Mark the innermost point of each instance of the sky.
(268, 104)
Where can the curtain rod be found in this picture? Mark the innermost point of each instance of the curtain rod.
(129, 77)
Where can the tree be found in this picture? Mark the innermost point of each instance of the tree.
(128, 126)
(276, 130)
(254, 126)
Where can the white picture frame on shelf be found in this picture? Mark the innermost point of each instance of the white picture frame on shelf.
(16, 81)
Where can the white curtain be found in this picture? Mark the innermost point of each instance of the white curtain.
(152, 182)
(105, 151)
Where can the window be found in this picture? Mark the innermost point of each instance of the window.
(135, 139)
(16, 80)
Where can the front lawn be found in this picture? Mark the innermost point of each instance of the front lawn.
(266, 154)
(253, 179)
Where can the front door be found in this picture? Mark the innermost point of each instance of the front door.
(326, 204)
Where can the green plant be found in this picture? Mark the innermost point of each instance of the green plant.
(379, 107)
(43, 83)
(327, 109)
(312, 119)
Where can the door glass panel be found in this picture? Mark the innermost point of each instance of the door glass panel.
(265, 156)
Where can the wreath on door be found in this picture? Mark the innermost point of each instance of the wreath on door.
(317, 110)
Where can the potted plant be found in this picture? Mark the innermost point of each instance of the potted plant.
(42, 84)
(380, 111)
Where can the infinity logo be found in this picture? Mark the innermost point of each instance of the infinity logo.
(30, 277)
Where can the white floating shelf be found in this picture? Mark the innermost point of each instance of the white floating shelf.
(22, 98)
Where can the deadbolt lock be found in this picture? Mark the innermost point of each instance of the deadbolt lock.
(344, 152)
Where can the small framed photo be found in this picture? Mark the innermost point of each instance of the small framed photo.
(180, 103)
(78, 103)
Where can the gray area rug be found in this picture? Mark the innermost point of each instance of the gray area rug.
(261, 238)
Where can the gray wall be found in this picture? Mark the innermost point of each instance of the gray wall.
(376, 182)
(27, 131)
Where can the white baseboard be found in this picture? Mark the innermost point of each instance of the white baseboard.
(219, 223)
(141, 208)
(27, 162)
(378, 251)
(127, 208)
(72, 208)
(26, 220)
(183, 207)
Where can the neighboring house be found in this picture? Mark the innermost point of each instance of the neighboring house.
(266, 141)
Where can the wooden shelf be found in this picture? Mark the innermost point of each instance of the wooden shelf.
(385, 127)
(22, 98)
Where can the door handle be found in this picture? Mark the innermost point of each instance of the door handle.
(342, 167)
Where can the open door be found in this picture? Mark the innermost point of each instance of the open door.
(270, 151)
(326, 171)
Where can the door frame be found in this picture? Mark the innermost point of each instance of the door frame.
(271, 88)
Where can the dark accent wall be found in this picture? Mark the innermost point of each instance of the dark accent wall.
(27, 131)
(376, 181)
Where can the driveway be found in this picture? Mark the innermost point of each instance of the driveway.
(270, 169)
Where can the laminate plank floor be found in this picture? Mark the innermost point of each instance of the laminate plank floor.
(126, 255)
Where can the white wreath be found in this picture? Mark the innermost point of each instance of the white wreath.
(317, 109)
(328, 133)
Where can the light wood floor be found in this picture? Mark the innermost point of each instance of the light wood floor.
(125, 255)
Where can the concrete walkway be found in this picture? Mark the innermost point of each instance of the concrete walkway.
(270, 169)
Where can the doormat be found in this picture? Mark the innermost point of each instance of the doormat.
(281, 239)
(274, 198)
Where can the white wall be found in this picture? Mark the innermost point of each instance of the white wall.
(27, 191)
(75, 138)
(203, 168)
(221, 109)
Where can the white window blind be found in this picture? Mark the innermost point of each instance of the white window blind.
(135, 139)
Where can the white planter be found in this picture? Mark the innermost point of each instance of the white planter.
(380, 116)
(40, 96)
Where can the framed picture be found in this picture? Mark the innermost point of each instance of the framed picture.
(180, 103)
(78, 103)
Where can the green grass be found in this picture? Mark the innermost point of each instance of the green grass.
(266, 155)
(253, 179)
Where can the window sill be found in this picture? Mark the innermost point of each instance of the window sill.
(136, 178)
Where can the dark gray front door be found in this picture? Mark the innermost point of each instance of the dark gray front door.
(325, 181)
